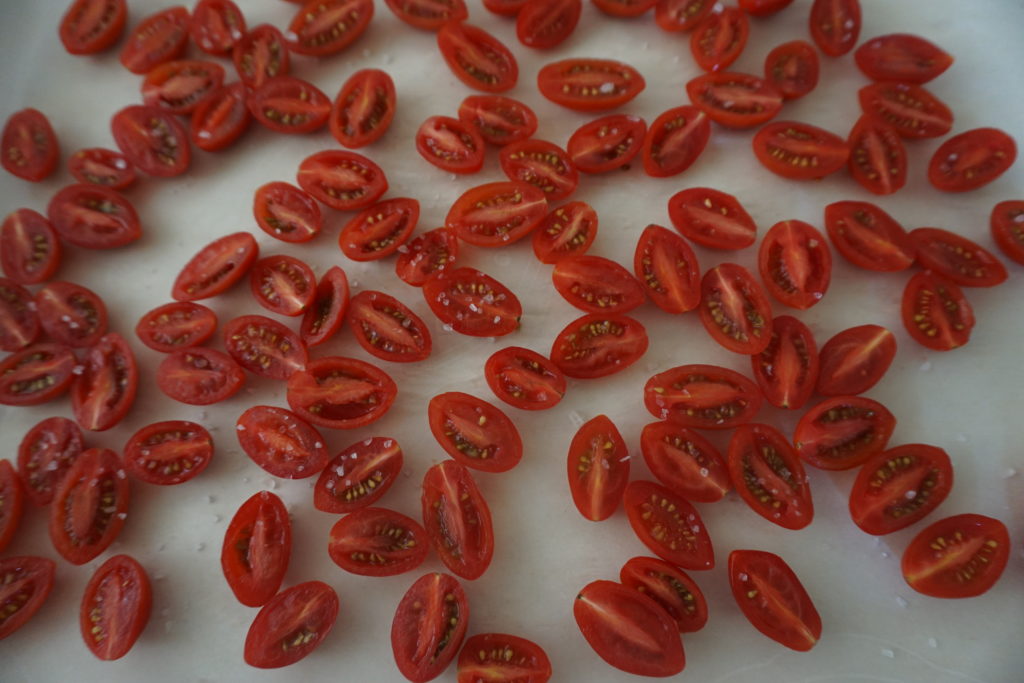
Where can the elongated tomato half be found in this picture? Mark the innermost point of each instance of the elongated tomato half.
(25, 583)
(450, 144)
(12, 502)
(629, 630)
(286, 212)
(358, 476)
(735, 100)
(955, 258)
(216, 267)
(115, 607)
(257, 547)
(93, 217)
(598, 345)
(841, 433)
(957, 557)
(379, 230)
(326, 27)
(971, 159)
(855, 359)
(477, 58)
(712, 218)
(105, 390)
(28, 145)
(607, 143)
(291, 625)
(568, 229)
(496, 214)
(667, 269)
(795, 263)
(1007, 225)
(500, 120)
(800, 151)
(377, 542)
(868, 237)
(32, 250)
(911, 111)
(792, 68)
(286, 104)
(684, 461)
(325, 314)
(544, 24)
(216, 26)
(598, 467)
(170, 452)
(899, 487)
(154, 141)
(90, 506)
(457, 519)
(524, 379)
(158, 38)
(221, 118)
(101, 166)
(474, 432)
(769, 476)
(772, 598)
(787, 370)
(936, 313)
(500, 657)
(878, 159)
(281, 442)
(178, 86)
(92, 26)
(681, 15)
(675, 140)
(835, 25)
(473, 303)
(595, 284)
(589, 84)
(669, 525)
(429, 15)
(735, 310)
(719, 39)
(901, 57)
(342, 180)
(670, 587)
(36, 374)
(341, 393)
(542, 164)
(260, 54)
(387, 328)
(428, 627)
(282, 284)
(71, 314)
(363, 109)
(45, 454)
(428, 253)
(702, 396)
(19, 319)
(624, 8)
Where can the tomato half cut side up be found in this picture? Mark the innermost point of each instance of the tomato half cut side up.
(675, 140)
(607, 143)
(913, 112)
(541, 164)
(178, 86)
(957, 557)
(429, 15)
(524, 379)
(702, 396)
(901, 57)
(566, 230)
(363, 109)
(595, 284)
(91, 26)
(800, 151)
(152, 139)
(840, 433)
(264, 346)
(450, 144)
(684, 461)
(457, 519)
(28, 146)
(670, 587)
(585, 84)
(100, 166)
(598, 345)
(261, 54)
(281, 442)
(772, 598)
(795, 264)
(342, 180)
(477, 58)
(936, 313)
(1007, 226)
(199, 376)
(115, 607)
(326, 27)
(291, 625)
(787, 370)
(325, 314)
(158, 38)
(955, 258)
(792, 68)
(668, 525)
(429, 625)
(12, 502)
(629, 630)
(496, 657)
(428, 253)
(216, 267)
(36, 374)
(598, 468)
(380, 230)
(168, 453)
(19, 318)
(45, 454)
(677, 16)
(290, 105)
(340, 393)
(90, 506)
(899, 487)
(358, 475)
(282, 284)
(32, 250)
(735, 309)
(719, 39)
(500, 120)
(712, 218)
(835, 25)
(543, 24)
(25, 583)
(71, 314)
(221, 118)
(878, 159)
(868, 237)
(93, 217)
(257, 547)
(377, 542)
(105, 390)
(505, 8)
(387, 328)
(623, 8)
(855, 359)
(735, 100)
(286, 212)
(769, 476)
(473, 303)
(217, 26)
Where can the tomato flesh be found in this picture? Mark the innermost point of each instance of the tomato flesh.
(566, 230)
(387, 328)
(431, 252)
(159, 38)
(168, 453)
(772, 598)
(90, 506)
(792, 68)
(589, 84)
(543, 24)
(32, 250)
(264, 346)
(217, 26)
(855, 359)
(607, 143)
(681, 15)
(684, 461)
(101, 166)
(720, 38)
(450, 144)
(221, 118)
(12, 501)
(795, 264)
(702, 396)
(216, 267)
(152, 139)
(800, 151)
(675, 140)
(835, 25)
(25, 583)
(787, 370)
(326, 27)
(179, 86)
(956, 258)
(429, 625)
(878, 160)
(500, 120)
(260, 54)
(281, 442)
(769, 476)
(71, 314)
(541, 164)
(901, 57)
(28, 146)
(429, 15)
(500, 657)
(340, 393)
(899, 487)
(256, 549)
(36, 374)
(670, 587)
(324, 316)
(105, 390)
(598, 468)
(45, 454)
(735, 310)
(286, 104)
(379, 230)
(283, 284)
(358, 476)
(199, 376)
(342, 180)
(457, 519)
(868, 237)
(911, 111)
(474, 432)
(712, 218)
(669, 525)
(286, 212)
(477, 58)
(524, 378)
(19, 319)
(595, 284)
(598, 345)
(936, 313)
(473, 303)
(667, 269)
(92, 26)
(957, 557)
(1007, 226)
(364, 108)
(115, 607)
(94, 217)
(841, 433)
(377, 542)
(291, 625)
(735, 100)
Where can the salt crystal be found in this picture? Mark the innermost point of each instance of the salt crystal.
(926, 366)
(576, 419)
(885, 554)
(240, 427)
(446, 327)
(78, 370)
(886, 652)
(407, 472)
(607, 88)
(962, 438)
(704, 471)
(902, 601)
(200, 547)
(1009, 473)
(932, 642)
(122, 515)
(910, 495)
(245, 480)
(743, 576)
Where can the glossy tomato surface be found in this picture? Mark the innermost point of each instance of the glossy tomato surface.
(457, 519)
(216, 26)
(291, 625)
(544, 24)
(702, 396)
(684, 461)
(28, 145)
(387, 328)
(93, 217)
(524, 379)
(667, 269)
(868, 237)
(878, 159)
(681, 15)
(221, 118)
(104, 391)
(670, 587)
(735, 310)
(772, 598)
(902, 57)
(835, 25)
(769, 476)
(500, 658)
(668, 525)
(568, 229)
(281, 442)
(36, 374)
(282, 284)
(607, 143)
(358, 475)
(473, 303)
(792, 68)
(718, 40)
(840, 433)
(363, 109)
(450, 144)
(542, 164)
(12, 502)
(800, 151)
(1006, 223)
(598, 345)
(735, 100)
(674, 141)
(32, 249)
(589, 84)
(19, 320)
(787, 370)
(598, 468)
(261, 54)
(286, 104)
(115, 607)
(287, 212)
(913, 112)
(957, 557)
(158, 38)
(92, 26)
(500, 120)
(101, 166)
(71, 314)
(428, 253)
(429, 15)
(496, 214)
(377, 542)
(324, 316)
(900, 486)
(340, 393)
(380, 230)
(477, 58)
(342, 180)
(712, 218)
(89, 506)
(855, 359)
(216, 267)
(45, 454)
(957, 258)
(936, 313)
(27, 582)
(475, 433)
(199, 376)
(152, 139)
(257, 547)
(429, 625)
(795, 264)
(167, 453)
(595, 284)
(178, 86)
(971, 159)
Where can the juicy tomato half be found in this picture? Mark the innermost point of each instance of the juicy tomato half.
(792, 68)
(36, 374)
(429, 626)
(702, 396)
(681, 15)
(497, 657)
(256, 549)
(670, 587)
(323, 318)
(735, 100)
(566, 230)
(541, 164)
(286, 104)
(712, 218)
(450, 144)
(505, 8)
(286, 212)
(387, 328)
(800, 151)
(477, 58)
(282, 284)
(167, 453)
(955, 258)
(221, 118)
(598, 345)
(589, 84)
(667, 269)
(260, 54)
(795, 263)
(772, 598)
(199, 376)
(216, 267)
(32, 250)
(291, 625)
(835, 25)
(719, 39)
(93, 217)
(326, 27)
(500, 120)
(358, 476)
(180, 85)
(71, 314)
(624, 8)
(669, 525)
(855, 359)
(28, 145)
(100, 166)
(45, 454)
(497, 214)
(735, 310)
(598, 467)
(675, 140)
(684, 461)
(377, 542)
(901, 57)
(19, 319)
(474, 432)
(1007, 227)
(841, 433)
(264, 346)
(342, 180)
(524, 379)
(428, 253)
(868, 237)
(341, 393)
(105, 390)
(457, 519)
(936, 313)
(878, 159)
(115, 607)
(787, 370)
(92, 26)
(12, 502)
(911, 111)
(899, 487)
(217, 26)
(769, 476)
(429, 15)
(543, 24)
(363, 109)
(152, 139)
(595, 284)
(89, 506)
(25, 583)
(379, 230)
(158, 38)
(473, 303)
(957, 557)
(607, 143)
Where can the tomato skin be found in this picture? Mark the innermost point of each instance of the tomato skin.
(735, 100)
(377, 542)
(261, 54)
(457, 519)
(543, 24)
(342, 180)
(681, 15)
(901, 57)
(772, 598)
(607, 143)
(667, 269)
(32, 250)
(264, 346)
(256, 550)
(178, 86)
(711, 218)
(159, 38)
(36, 374)
(217, 26)
(628, 630)
(841, 433)
(93, 217)
(379, 230)
(323, 318)
(115, 607)
(670, 587)
(106, 20)
(787, 370)
(281, 442)
(387, 328)
(936, 313)
(45, 454)
(450, 144)
(340, 393)
(282, 284)
(769, 476)
(668, 525)
(598, 468)
(957, 258)
(494, 67)
(524, 379)
(315, 26)
(675, 140)
(286, 104)
(429, 15)
(597, 345)
(899, 487)
(684, 461)
(702, 396)
(855, 359)
(12, 501)
(430, 252)
(309, 608)
(473, 303)
(32, 576)
(286, 212)
(934, 562)
(500, 120)
(152, 139)
(216, 267)
(735, 310)
(199, 376)
(429, 625)
(29, 146)
(763, 8)
(595, 284)
(363, 109)
(582, 84)
(800, 151)
(502, 658)
(868, 237)
(358, 476)
(566, 230)
(89, 506)
(506, 8)
(167, 453)
(720, 38)
(19, 318)
(623, 8)
(795, 264)
(835, 25)
(878, 160)
(71, 314)
(1007, 226)
(913, 112)
(541, 164)
(792, 68)
(220, 118)
(101, 166)
(105, 390)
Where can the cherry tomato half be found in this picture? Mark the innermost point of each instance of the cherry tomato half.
(158, 38)
(19, 319)
(498, 657)
(450, 144)
(681, 15)
(623, 8)
(168, 453)
(878, 160)
(792, 68)
(377, 542)
(71, 314)
(841, 433)
(379, 230)
(115, 607)
(199, 376)
(281, 442)
(675, 140)
(428, 627)
(670, 587)
(291, 625)
(89, 506)
(524, 379)
(899, 487)
(178, 86)
(45, 454)
(901, 57)
(105, 390)
(430, 252)
(256, 549)
(598, 468)
(264, 346)
(32, 250)
(735, 100)
(667, 269)
(795, 264)
(800, 151)
(429, 15)
(477, 58)
(282, 284)
(325, 314)
(541, 164)
(936, 313)
(787, 370)
(855, 359)
(505, 8)
(457, 519)
(286, 212)
(702, 396)
(92, 26)
(363, 109)
(221, 118)
(589, 84)
(957, 557)
(500, 120)
(101, 166)
(36, 374)
(772, 598)
(28, 145)
(12, 502)
(868, 237)
(684, 461)
(735, 310)
(26, 583)
(497, 214)
(93, 217)
(286, 104)
(216, 267)
(956, 258)
(769, 476)
(835, 25)
(566, 230)
(326, 27)
(913, 112)
(261, 54)
(544, 24)
(358, 476)
(473, 303)
(598, 345)
(712, 218)
(595, 284)
(387, 328)
(152, 139)
(1007, 226)
(340, 393)
(668, 525)
(718, 40)
(607, 143)
(342, 180)
(217, 26)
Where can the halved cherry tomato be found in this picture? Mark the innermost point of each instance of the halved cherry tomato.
(675, 140)
(629, 630)
(286, 212)
(101, 166)
(901, 57)
(607, 143)
(428, 627)
(769, 476)
(668, 525)
(735, 100)
(199, 376)
(795, 264)
(670, 587)
(899, 487)
(835, 25)
(477, 58)
(681, 15)
(105, 390)
(524, 378)
(29, 147)
(341, 393)
(286, 104)
(800, 151)
(1007, 226)
(763, 8)
(282, 284)
(507, 8)
(257, 547)
(735, 310)
(25, 583)
(542, 164)
(936, 313)
(475, 433)
(12, 501)
(567, 230)
(841, 433)
(379, 230)
(19, 319)
(179, 86)
(598, 467)
(868, 237)
(167, 453)
(702, 396)
(377, 542)
(91, 26)
(772, 598)
(363, 109)
(261, 54)
(957, 557)
(429, 15)
(358, 476)
(878, 160)
(326, 27)
(291, 625)
(36, 374)
(89, 506)
(264, 346)
(152, 139)
(342, 180)
(216, 26)
(595, 284)
(667, 269)
(956, 258)
(93, 217)
(115, 607)
(720, 38)
(473, 303)
(431, 252)
(71, 314)
(589, 84)
(544, 24)
(684, 461)
(792, 68)
(325, 314)
(500, 120)
(387, 328)
(500, 657)
(32, 250)
(624, 8)
(159, 38)
(598, 345)
(216, 267)
(457, 519)
(971, 159)
(855, 359)
(281, 442)
(45, 454)
(496, 214)
(912, 111)
(787, 370)
(712, 218)
(221, 118)
(450, 144)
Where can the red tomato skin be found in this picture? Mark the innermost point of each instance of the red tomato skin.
(901, 57)
(199, 376)
(561, 83)
(878, 159)
(757, 452)
(792, 68)
(429, 625)
(310, 393)
(698, 214)
(936, 313)
(460, 42)
(678, 16)
(387, 328)
(799, 151)
(524, 379)
(256, 550)
(668, 525)
(290, 105)
(598, 468)
(428, 253)
(500, 120)
(71, 314)
(264, 346)
(163, 84)
(168, 453)
(879, 503)
(216, 267)
(36, 374)
(607, 143)
(670, 587)
(543, 24)
(105, 390)
(261, 54)
(624, 8)
(855, 359)
(500, 658)
(310, 608)
(568, 229)
(541, 164)
(956, 258)
(45, 454)
(160, 37)
(868, 237)
(33, 575)
(795, 264)
(286, 212)
(76, 496)
(675, 140)
(363, 109)
(358, 476)
(325, 314)
(12, 502)
(380, 230)
(19, 319)
(751, 575)
(840, 433)
(115, 607)
(475, 433)
(101, 166)
(315, 26)
(95, 37)
(370, 186)
(152, 139)
(457, 519)
(702, 397)
(217, 26)
(429, 15)
(720, 38)
(685, 462)
(595, 284)
(377, 542)
(29, 127)
(32, 250)
(281, 442)
(282, 284)
(1007, 226)
(720, 288)
(505, 8)
(913, 112)
(597, 345)
(435, 144)
(221, 118)
(835, 25)
(74, 215)
(719, 96)
(787, 370)
(667, 268)
(933, 563)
